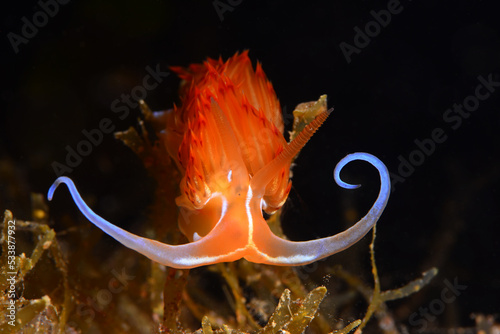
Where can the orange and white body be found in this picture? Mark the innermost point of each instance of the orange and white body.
(227, 140)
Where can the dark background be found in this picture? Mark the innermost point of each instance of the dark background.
(393, 92)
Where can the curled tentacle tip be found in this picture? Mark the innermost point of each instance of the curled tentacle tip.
(345, 184)
(336, 173)
(359, 156)
(351, 157)
(53, 187)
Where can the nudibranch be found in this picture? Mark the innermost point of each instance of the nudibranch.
(227, 140)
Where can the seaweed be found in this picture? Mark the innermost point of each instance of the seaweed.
(32, 314)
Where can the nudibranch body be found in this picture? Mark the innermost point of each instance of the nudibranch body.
(227, 140)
